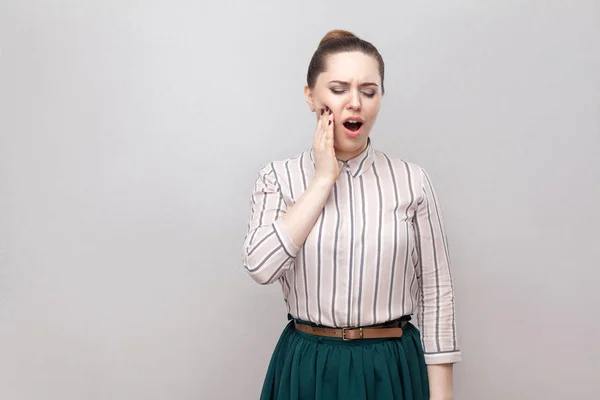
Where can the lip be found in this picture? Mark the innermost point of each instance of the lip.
(357, 118)
(357, 132)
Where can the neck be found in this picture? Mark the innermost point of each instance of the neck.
(348, 155)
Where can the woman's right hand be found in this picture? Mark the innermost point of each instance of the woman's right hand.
(326, 164)
(300, 218)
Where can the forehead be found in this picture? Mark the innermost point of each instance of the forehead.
(350, 67)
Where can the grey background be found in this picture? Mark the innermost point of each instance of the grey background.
(131, 134)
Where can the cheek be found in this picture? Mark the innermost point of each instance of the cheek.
(336, 106)
(372, 111)
(331, 100)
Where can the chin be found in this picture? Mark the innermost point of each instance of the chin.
(349, 144)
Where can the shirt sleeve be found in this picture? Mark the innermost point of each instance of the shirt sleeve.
(436, 309)
(268, 249)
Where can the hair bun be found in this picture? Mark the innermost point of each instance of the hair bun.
(335, 35)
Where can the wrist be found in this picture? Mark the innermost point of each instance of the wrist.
(323, 182)
(440, 393)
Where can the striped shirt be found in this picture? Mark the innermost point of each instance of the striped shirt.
(377, 252)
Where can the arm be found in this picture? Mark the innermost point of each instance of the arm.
(440, 381)
(276, 232)
(300, 219)
(437, 295)
(268, 250)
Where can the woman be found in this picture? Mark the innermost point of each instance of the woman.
(356, 240)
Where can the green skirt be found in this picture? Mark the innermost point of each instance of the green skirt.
(305, 366)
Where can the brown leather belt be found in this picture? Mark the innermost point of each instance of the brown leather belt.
(393, 330)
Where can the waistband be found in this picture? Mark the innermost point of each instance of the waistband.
(404, 318)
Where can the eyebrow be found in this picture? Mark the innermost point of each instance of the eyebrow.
(362, 84)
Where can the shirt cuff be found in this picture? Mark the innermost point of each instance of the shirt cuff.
(449, 357)
(285, 239)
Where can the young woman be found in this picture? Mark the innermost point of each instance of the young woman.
(356, 239)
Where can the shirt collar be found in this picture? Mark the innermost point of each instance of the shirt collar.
(358, 164)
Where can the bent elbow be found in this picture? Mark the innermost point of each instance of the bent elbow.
(260, 277)
(264, 271)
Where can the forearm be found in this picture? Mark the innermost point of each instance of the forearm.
(302, 216)
(440, 381)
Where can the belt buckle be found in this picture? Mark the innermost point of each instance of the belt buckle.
(344, 333)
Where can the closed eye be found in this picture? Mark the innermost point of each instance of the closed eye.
(341, 91)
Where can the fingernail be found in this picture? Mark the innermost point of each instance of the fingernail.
(326, 108)
(322, 111)
(329, 122)
(330, 112)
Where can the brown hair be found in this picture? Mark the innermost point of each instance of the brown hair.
(340, 41)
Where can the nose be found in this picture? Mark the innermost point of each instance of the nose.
(354, 102)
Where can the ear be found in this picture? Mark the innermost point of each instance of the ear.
(309, 98)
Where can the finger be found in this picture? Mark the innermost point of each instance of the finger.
(319, 130)
(329, 129)
(325, 127)
(322, 127)
(326, 119)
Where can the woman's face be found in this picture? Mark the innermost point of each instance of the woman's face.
(351, 87)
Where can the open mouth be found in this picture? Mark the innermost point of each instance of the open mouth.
(353, 125)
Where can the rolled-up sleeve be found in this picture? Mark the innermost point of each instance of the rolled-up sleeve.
(268, 249)
(436, 311)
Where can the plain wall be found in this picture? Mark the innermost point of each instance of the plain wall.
(131, 133)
